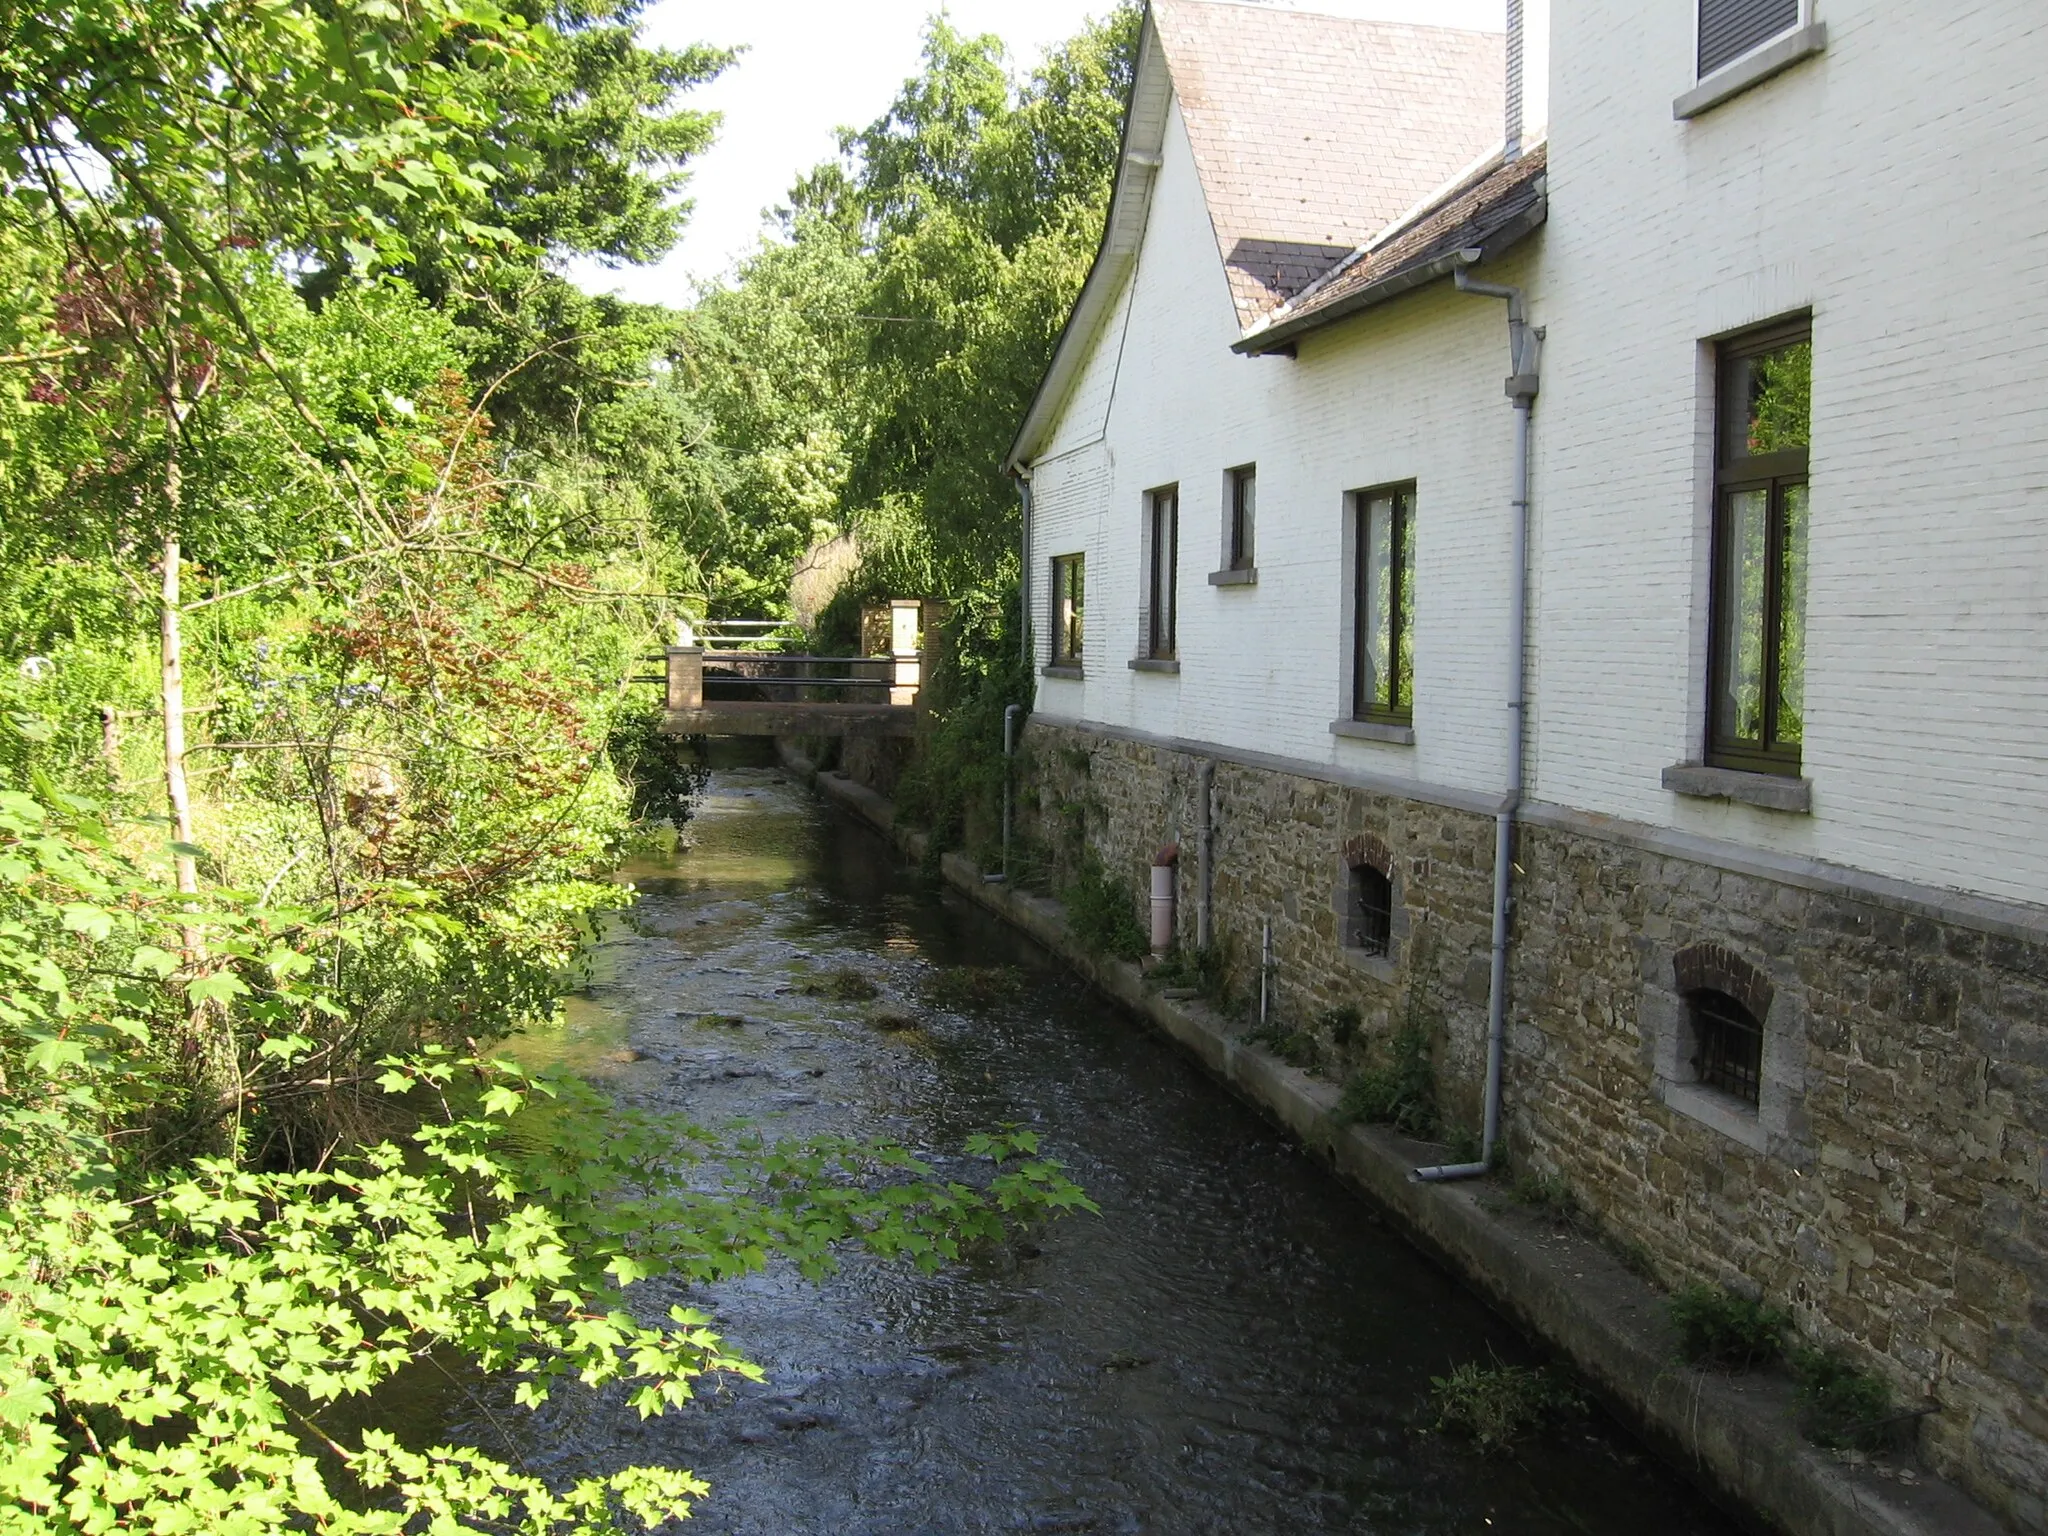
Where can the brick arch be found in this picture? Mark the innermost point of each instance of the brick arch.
(1368, 852)
(1716, 968)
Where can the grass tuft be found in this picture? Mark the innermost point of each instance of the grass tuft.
(1397, 1090)
(971, 988)
(1842, 1407)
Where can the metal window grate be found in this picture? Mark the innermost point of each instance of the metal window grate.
(1728, 1046)
(1731, 28)
(1372, 910)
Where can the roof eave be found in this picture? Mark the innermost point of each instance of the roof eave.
(1283, 335)
(1138, 163)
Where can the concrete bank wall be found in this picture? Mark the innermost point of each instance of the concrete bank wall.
(1735, 1435)
(1888, 1185)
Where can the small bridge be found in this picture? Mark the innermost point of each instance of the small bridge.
(734, 677)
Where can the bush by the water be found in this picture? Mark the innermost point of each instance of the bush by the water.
(1497, 1404)
(1103, 915)
(1399, 1089)
(1717, 1327)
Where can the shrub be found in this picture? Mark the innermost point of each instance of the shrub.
(1498, 1404)
(1399, 1090)
(1296, 1047)
(1545, 1194)
(1842, 1407)
(1102, 915)
(1717, 1327)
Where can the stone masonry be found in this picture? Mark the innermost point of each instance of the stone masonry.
(1888, 1187)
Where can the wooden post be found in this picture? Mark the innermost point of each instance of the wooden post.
(685, 677)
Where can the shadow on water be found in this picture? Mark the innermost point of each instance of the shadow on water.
(1236, 1345)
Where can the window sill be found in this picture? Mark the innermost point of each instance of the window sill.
(1717, 1111)
(1767, 791)
(1751, 69)
(1240, 576)
(1379, 967)
(1374, 730)
(1153, 664)
(1072, 674)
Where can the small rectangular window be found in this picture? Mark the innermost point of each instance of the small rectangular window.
(1731, 28)
(1383, 601)
(1162, 558)
(1244, 485)
(1757, 706)
(1728, 1046)
(1372, 910)
(1068, 592)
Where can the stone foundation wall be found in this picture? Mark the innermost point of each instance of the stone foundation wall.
(1888, 1187)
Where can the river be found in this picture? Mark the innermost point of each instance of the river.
(1236, 1344)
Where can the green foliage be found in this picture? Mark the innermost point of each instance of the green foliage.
(1296, 1047)
(973, 988)
(1546, 1195)
(1399, 1089)
(1841, 1406)
(176, 1353)
(1342, 1023)
(1498, 1404)
(664, 771)
(1717, 1327)
(1102, 915)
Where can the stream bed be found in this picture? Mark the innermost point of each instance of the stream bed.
(1237, 1344)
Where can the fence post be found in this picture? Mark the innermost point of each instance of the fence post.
(685, 677)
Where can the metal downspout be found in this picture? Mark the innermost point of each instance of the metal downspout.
(1024, 568)
(1524, 346)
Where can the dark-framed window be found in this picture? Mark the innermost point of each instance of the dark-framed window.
(1728, 29)
(1238, 540)
(1383, 604)
(1756, 715)
(1069, 589)
(1162, 562)
(1370, 925)
(1728, 1045)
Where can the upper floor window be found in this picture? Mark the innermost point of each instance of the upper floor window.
(1243, 510)
(1731, 28)
(1371, 918)
(1162, 564)
(1382, 605)
(1757, 709)
(1068, 591)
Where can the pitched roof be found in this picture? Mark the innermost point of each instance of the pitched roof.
(1486, 212)
(1311, 133)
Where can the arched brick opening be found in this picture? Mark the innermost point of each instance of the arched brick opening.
(1366, 851)
(1716, 968)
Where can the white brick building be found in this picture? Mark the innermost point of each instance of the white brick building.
(1849, 200)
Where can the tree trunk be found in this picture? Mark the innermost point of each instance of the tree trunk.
(208, 1052)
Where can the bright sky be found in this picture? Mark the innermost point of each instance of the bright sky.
(812, 66)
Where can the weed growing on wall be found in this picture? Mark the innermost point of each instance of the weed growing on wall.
(1840, 1406)
(1717, 1327)
(1102, 915)
(1399, 1089)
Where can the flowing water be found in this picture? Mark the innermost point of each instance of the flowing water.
(1237, 1344)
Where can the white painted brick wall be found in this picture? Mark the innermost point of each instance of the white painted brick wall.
(1898, 186)
(1261, 667)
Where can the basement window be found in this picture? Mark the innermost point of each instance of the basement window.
(1728, 1046)
(1372, 911)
